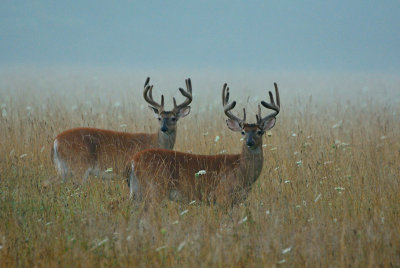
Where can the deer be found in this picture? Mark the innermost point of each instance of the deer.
(225, 179)
(80, 152)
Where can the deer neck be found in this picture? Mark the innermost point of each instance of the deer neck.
(251, 163)
(166, 140)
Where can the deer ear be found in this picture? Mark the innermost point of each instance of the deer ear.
(233, 125)
(155, 111)
(270, 123)
(183, 112)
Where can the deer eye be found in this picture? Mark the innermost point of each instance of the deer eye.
(260, 132)
(159, 119)
(173, 119)
(243, 133)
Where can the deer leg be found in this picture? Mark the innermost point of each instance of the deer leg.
(86, 175)
(134, 185)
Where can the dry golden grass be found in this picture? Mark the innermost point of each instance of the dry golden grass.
(329, 193)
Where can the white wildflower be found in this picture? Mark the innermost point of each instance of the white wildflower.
(286, 250)
(216, 138)
(200, 172)
(338, 124)
(243, 220)
(181, 245)
(338, 188)
(160, 248)
(184, 212)
(23, 155)
(109, 170)
(317, 198)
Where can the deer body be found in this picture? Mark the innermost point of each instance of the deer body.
(165, 173)
(155, 174)
(100, 151)
(80, 152)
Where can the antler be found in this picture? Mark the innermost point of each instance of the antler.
(229, 106)
(187, 94)
(271, 105)
(148, 96)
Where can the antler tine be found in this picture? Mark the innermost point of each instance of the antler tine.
(225, 98)
(189, 85)
(258, 116)
(148, 95)
(229, 106)
(278, 100)
(147, 82)
(273, 106)
(186, 93)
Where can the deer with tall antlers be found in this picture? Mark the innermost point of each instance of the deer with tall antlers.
(155, 174)
(81, 152)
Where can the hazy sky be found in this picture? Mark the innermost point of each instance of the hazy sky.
(270, 35)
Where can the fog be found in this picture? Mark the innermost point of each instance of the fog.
(280, 36)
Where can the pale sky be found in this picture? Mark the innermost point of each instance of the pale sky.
(252, 35)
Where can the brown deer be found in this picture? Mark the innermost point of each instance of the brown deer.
(154, 174)
(81, 152)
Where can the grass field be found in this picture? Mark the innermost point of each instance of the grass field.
(329, 193)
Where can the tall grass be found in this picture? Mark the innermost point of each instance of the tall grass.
(329, 193)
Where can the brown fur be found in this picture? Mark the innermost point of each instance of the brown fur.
(161, 173)
(84, 148)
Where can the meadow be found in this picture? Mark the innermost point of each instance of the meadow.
(328, 195)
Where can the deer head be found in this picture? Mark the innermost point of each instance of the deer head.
(168, 119)
(252, 132)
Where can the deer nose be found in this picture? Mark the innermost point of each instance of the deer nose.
(164, 125)
(250, 142)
